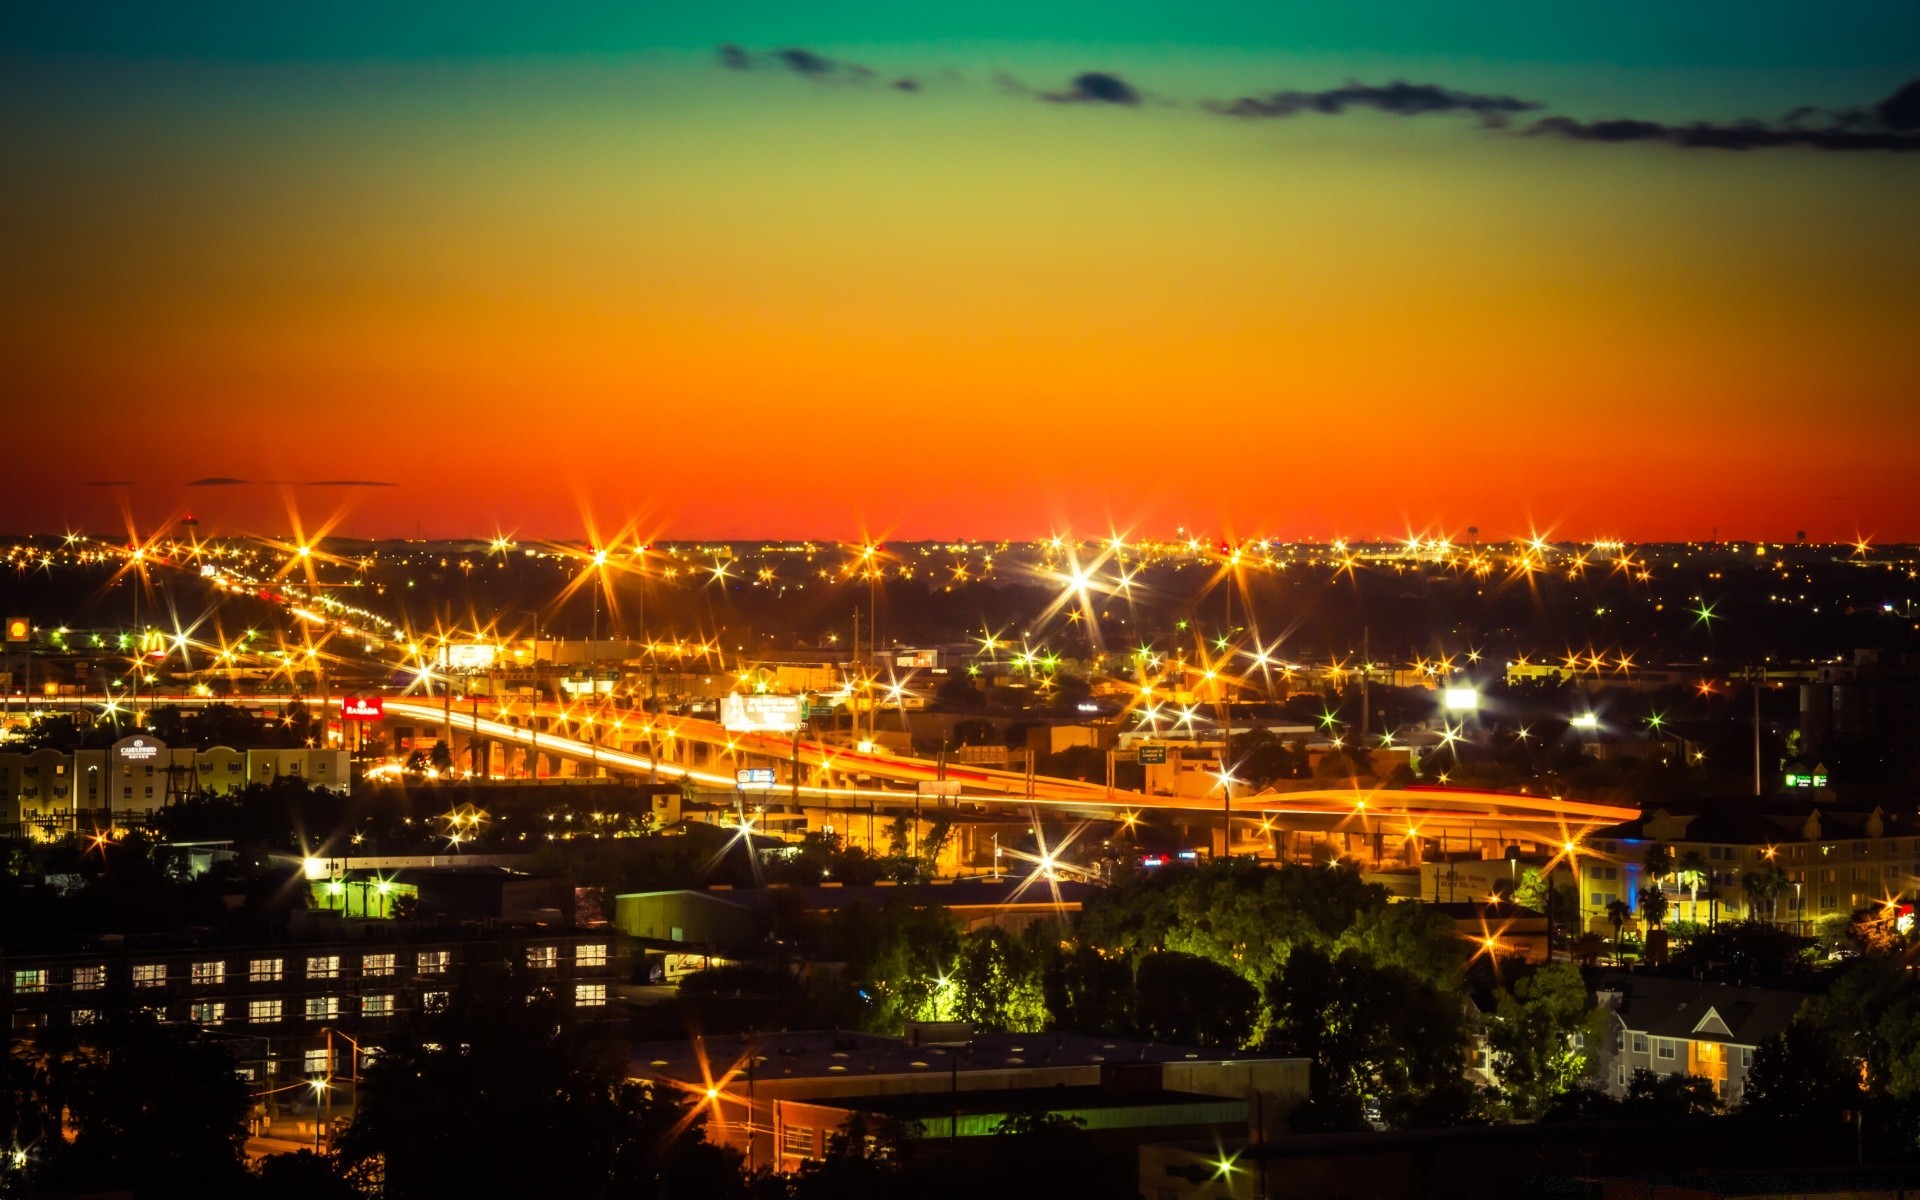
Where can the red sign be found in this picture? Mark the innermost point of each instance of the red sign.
(362, 708)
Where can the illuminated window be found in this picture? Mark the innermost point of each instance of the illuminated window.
(317, 1062)
(590, 956)
(84, 1016)
(263, 1012)
(207, 1012)
(590, 995)
(149, 975)
(323, 1008)
(209, 973)
(796, 1140)
(376, 964)
(325, 966)
(433, 1001)
(264, 970)
(433, 962)
(543, 957)
(376, 1006)
(88, 979)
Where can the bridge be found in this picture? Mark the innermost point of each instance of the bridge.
(814, 774)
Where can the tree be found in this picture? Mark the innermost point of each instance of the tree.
(1692, 872)
(1586, 948)
(1653, 906)
(1665, 1095)
(1619, 912)
(1042, 1154)
(1414, 936)
(541, 1111)
(996, 984)
(1372, 1033)
(1764, 886)
(1658, 861)
(1191, 1000)
(1531, 1033)
(1802, 1074)
(144, 1105)
(441, 757)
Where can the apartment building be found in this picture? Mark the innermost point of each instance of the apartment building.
(287, 995)
(1684, 1027)
(1790, 867)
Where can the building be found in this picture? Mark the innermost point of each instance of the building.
(1684, 1027)
(53, 791)
(780, 1097)
(286, 995)
(1830, 863)
(1499, 927)
(736, 919)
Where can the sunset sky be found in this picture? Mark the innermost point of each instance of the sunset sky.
(764, 269)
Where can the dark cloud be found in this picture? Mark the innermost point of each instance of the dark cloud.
(348, 483)
(1893, 124)
(797, 59)
(1095, 87)
(805, 61)
(1399, 98)
(216, 481)
(905, 85)
(1901, 110)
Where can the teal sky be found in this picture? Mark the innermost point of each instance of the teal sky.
(1846, 34)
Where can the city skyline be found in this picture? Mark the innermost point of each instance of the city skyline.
(995, 274)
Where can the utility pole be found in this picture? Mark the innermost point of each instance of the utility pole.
(1366, 679)
(1758, 676)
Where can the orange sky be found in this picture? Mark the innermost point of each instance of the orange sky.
(519, 291)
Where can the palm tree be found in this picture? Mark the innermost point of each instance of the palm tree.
(1586, 948)
(1690, 872)
(1619, 912)
(1653, 906)
(1658, 860)
(1765, 884)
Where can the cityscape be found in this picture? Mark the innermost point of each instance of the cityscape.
(1033, 600)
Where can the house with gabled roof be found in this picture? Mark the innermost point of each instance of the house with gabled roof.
(1685, 1027)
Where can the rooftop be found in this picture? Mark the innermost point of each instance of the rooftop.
(826, 1053)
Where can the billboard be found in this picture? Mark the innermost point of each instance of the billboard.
(762, 713)
(362, 708)
(138, 749)
(755, 779)
(916, 660)
(468, 656)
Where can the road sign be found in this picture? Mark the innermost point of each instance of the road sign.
(939, 787)
(19, 629)
(755, 779)
(1150, 756)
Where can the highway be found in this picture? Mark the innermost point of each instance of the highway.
(1409, 810)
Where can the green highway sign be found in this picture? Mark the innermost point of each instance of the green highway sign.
(1148, 756)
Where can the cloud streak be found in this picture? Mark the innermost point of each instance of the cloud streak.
(1890, 125)
(1893, 125)
(799, 60)
(1398, 98)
